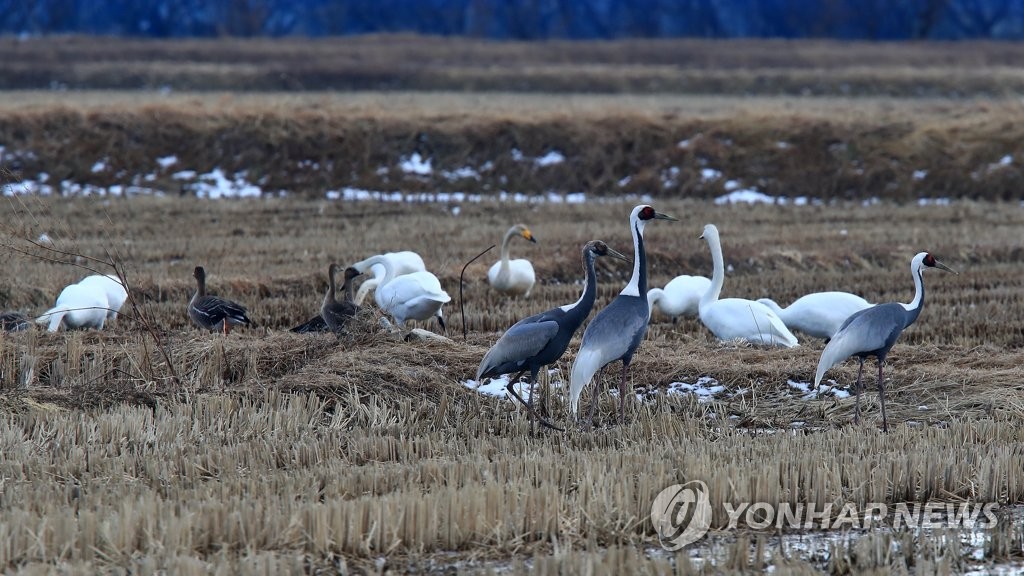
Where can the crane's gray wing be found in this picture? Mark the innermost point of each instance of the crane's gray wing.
(517, 345)
(869, 330)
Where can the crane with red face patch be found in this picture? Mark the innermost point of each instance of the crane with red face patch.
(617, 330)
(873, 332)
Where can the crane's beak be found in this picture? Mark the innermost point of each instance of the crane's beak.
(660, 216)
(616, 254)
(942, 266)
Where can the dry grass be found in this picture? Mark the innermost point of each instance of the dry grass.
(817, 148)
(422, 63)
(288, 453)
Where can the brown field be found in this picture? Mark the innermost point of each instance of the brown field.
(152, 447)
(268, 451)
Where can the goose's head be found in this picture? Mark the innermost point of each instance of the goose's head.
(351, 273)
(199, 274)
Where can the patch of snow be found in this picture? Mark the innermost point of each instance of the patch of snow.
(782, 145)
(1006, 160)
(709, 174)
(919, 174)
(517, 154)
(871, 201)
(808, 393)
(731, 185)
(216, 184)
(456, 210)
(705, 389)
(683, 143)
(843, 232)
(333, 195)
(415, 164)
(746, 196)
(463, 173)
(42, 177)
(550, 159)
(167, 161)
(670, 177)
(933, 201)
(382, 170)
(625, 181)
(184, 175)
(99, 166)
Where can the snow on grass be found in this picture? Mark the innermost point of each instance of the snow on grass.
(415, 164)
(625, 181)
(745, 196)
(550, 159)
(99, 166)
(184, 175)
(710, 174)
(808, 393)
(498, 387)
(920, 174)
(216, 184)
(670, 177)
(464, 173)
(933, 201)
(167, 161)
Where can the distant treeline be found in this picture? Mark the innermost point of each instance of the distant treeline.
(523, 19)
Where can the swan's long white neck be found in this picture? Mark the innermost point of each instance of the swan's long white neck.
(718, 275)
(636, 226)
(504, 247)
(389, 270)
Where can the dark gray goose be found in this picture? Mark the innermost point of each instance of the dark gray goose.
(213, 312)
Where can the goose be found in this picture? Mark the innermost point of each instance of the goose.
(541, 339)
(405, 262)
(213, 312)
(77, 306)
(416, 296)
(334, 312)
(737, 318)
(680, 297)
(14, 322)
(617, 330)
(819, 314)
(514, 277)
(873, 332)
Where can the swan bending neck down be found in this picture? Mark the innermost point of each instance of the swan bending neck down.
(404, 262)
(819, 314)
(680, 297)
(737, 318)
(513, 276)
(415, 296)
(78, 306)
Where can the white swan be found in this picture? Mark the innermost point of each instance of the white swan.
(111, 285)
(734, 318)
(405, 262)
(416, 296)
(680, 297)
(77, 306)
(819, 314)
(513, 276)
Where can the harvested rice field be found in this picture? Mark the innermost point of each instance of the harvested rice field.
(155, 447)
(152, 446)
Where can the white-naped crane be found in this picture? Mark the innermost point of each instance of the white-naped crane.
(541, 339)
(415, 296)
(213, 312)
(404, 262)
(514, 277)
(617, 330)
(680, 297)
(873, 332)
(738, 318)
(819, 314)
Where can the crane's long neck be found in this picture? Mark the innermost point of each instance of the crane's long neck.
(915, 306)
(638, 282)
(504, 247)
(717, 276)
(589, 295)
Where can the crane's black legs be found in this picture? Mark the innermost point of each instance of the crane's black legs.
(593, 399)
(510, 387)
(622, 394)
(881, 395)
(860, 372)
